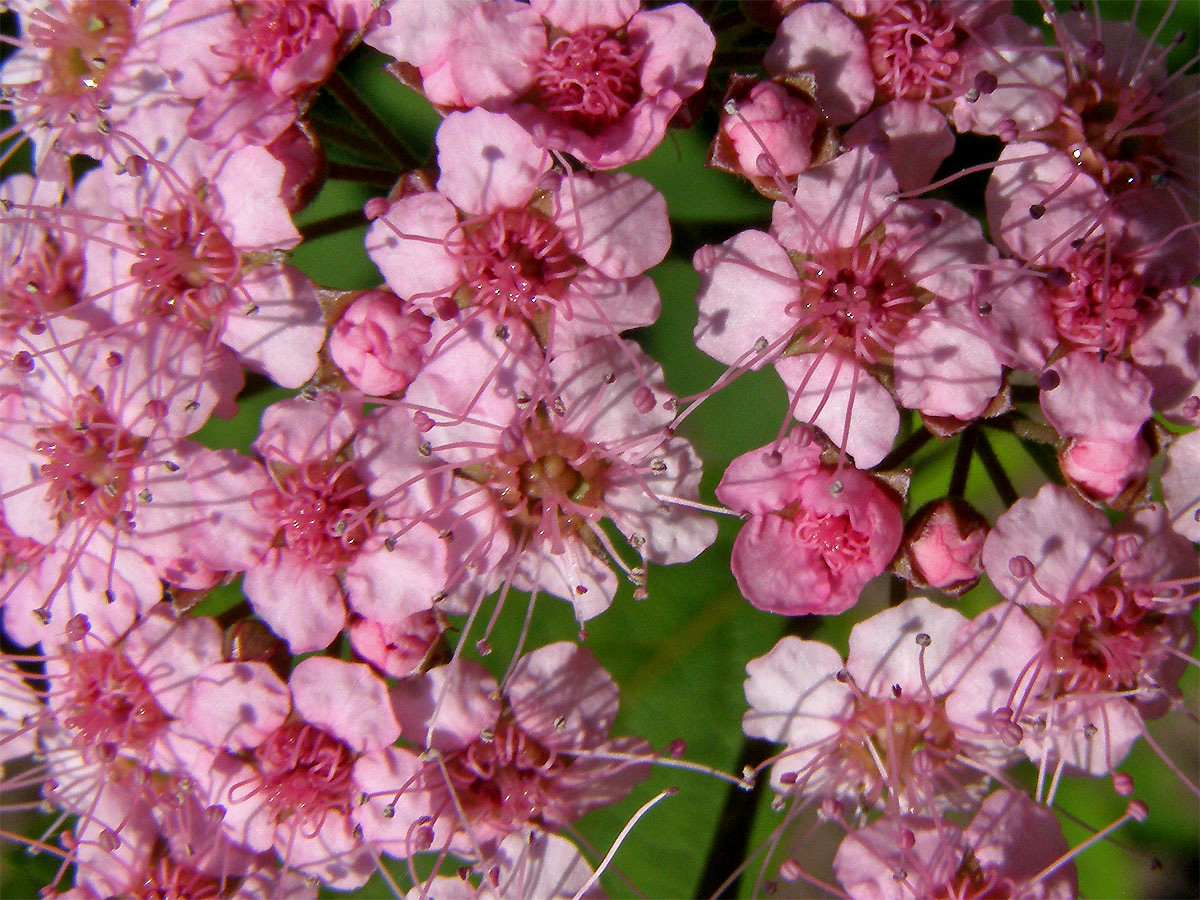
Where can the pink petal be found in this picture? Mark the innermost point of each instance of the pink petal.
(410, 246)
(562, 696)
(840, 398)
(793, 693)
(488, 162)
(346, 699)
(236, 705)
(819, 38)
(388, 581)
(1065, 539)
(616, 222)
(746, 285)
(839, 203)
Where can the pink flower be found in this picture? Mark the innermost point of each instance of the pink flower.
(816, 534)
(377, 343)
(600, 84)
(1113, 131)
(884, 730)
(295, 782)
(81, 69)
(1100, 407)
(1112, 621)
(1181, 485)
(537, 454)
(1009, 843)
(203, 260)
(852, 283)
(316, 543)
(537, 753)
(247, 64)
(528, 863)
(565, 255)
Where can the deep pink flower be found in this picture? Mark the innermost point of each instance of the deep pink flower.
(816, 535)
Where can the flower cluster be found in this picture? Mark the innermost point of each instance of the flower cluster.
(265, 668)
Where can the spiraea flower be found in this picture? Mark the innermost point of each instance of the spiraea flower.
(565, 255)
(537, 454)
(598, 81)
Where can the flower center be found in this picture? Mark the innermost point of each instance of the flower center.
(514, 262)
(42, 280)
(305, 771)
(855, 300)
(1114, 132)
(914, 49)
(89, 461)
(589, 79)
(1106, 640)
(884, 738)
(166, 879)
(83, 44)
(186, 265)
(508, 779)
(1098, 302)
(278, 31)
(320, 511)
(110, 706)
(547, 482)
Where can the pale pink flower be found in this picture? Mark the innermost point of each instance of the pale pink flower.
(883, 730)
(1100, 407)
(1181, 485)
(1009, 843)
(191, 241)
(528, 863)
(1116, 128)
(1113, 612)
(852, 282)
(536, 752)
(247, 66)
(295, 784)
(81, 69)
(314, 542)
(564, 254)
(599, 83)
(538, 453)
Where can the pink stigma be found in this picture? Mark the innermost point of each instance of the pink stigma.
(1101, 304)
(856, 300)
(109, 705)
